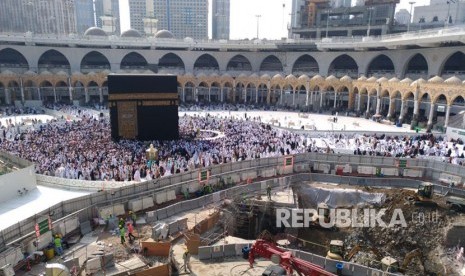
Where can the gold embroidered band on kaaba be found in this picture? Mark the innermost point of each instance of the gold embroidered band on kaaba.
(143, 96)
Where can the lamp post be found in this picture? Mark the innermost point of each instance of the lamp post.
(447, 21)
(370, 10)
(410, 19)
(258, 24)
(327, 22)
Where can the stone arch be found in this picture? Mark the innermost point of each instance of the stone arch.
(215, 92)
(206, 62)
(15, 92)
(381, 66)
(343, 98)
(453, 65)
(239, 63)
(13, 60)
(94, 61)
(189, 91)
(416, 67)
(305, 64)
(30, 90)
(227, 92)
(47, 91)
(457, 100)
(53, 61)
(250, 92)
(343, 65)
(202, 91)
(62, 92)
(171, 62)
(133, 61)
(240, 92)
(78, 91)
(271, 64)
(93, 91)
(275, 94)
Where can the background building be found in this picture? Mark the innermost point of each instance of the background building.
(53, 16)
(183, 18)
(220, 19)
(402, 17)
(436, 14)
(85, 17)
(143, 17)
(327, 18)
(107, 15)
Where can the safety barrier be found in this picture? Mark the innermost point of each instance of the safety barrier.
(181, 182)
(233, 250)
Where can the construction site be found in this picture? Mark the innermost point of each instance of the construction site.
(229, 227)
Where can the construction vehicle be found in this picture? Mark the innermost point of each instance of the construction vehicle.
(337, 251)
(269, 250)
(456, 203)
(389, 264)
(424, 196)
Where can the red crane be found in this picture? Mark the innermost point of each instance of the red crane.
(290, 263)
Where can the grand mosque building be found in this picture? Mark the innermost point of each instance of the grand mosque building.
(415, 77)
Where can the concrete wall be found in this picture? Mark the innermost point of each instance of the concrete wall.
(86, 206)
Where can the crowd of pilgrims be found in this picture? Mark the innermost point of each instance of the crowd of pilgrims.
(83, 149)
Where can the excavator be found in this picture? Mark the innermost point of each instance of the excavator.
(269, 250)
(424, 195)
(389, 264)
(337, 251)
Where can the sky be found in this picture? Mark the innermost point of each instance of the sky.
(272, 22)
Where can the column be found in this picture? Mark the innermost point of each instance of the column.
(70, 91)
(22, 89)
(293, 97)
(391, 103)
(359, 101)
(378, 99)
(281, 99)
(335, 99)
(100, 92)
(368, 104)
(446, 121)
(196, 94)
(86, 92)
(430, 117)
(209, 93)
(268, 95)
(256, 94)
(306, 98)
(7, 96)
(55, 94)
(221, 94)
(183, 94)
(311, 99)
(402, 106)
(416, 105)
(38, 93)
(244, 94)
(321, 99)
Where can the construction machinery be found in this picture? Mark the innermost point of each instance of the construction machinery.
(337, 251)
(269, 250)
(424, 196)
(389, 264)
(456, 203)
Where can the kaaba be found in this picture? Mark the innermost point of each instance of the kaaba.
(143, 107)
